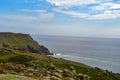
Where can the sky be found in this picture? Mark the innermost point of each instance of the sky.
(91, 18)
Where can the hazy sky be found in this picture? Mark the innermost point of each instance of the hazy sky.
(96, 18)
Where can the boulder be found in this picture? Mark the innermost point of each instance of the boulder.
(55, 78)
(57, 74)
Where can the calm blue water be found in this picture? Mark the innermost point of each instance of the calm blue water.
(100, 52)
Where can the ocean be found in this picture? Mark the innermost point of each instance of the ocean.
(97, 52)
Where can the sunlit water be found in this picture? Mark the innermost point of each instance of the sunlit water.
(100, 52)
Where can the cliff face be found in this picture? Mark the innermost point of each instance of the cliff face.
(24, 42)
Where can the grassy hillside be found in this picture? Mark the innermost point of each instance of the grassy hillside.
(18, 58)
(18, 63)
(18, 41)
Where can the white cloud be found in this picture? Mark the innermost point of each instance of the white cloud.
(29, 10)
(18, 17)
(71, 2)
(45, 16)
(105, 15)
(116, 6)
(72, 13)
(104, 9)
(41, 17)
(106, 6)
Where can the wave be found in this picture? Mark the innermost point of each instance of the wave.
(57, 54)
(83, 59)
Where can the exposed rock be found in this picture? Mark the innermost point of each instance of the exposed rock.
(59, 70)
(57, 74)
(55, 78)
(86, 77)
(72, 68)
(68, 73)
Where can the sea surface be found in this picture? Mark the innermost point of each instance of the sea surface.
(97, 52)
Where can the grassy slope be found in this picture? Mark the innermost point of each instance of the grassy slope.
(21, 40)
(6, 54)
(18, 41)
(44, 61)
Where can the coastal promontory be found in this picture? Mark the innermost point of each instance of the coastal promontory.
(22, 58)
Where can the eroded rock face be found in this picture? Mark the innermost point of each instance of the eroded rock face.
(24, 42)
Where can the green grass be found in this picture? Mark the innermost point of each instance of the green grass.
(14, 77)
(21, 40)
(80, 68)
(6, 54)
(21, 59)
(44, 62)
